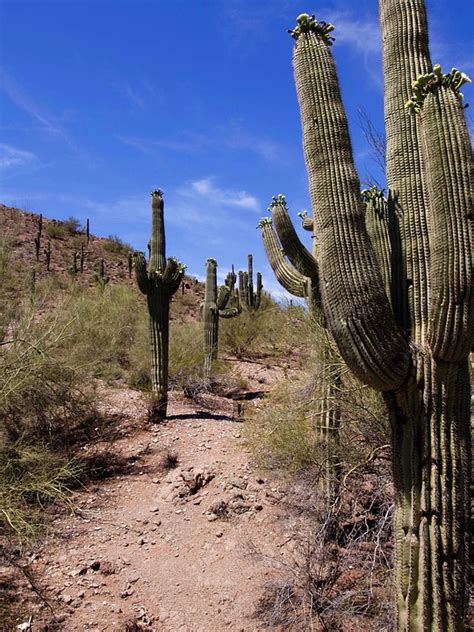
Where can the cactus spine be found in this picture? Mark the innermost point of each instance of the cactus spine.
(412, 344)
(248, 297)
(159, 281)
(216, 305)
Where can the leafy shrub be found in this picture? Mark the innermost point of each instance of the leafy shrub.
(271, 330)
(55, 229)
(115, 245)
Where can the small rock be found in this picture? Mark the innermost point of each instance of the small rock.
(66, 598)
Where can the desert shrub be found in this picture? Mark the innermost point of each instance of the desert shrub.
(115, 245)
(47, 407)
(56, 229)
(103, 329)
(271, 330)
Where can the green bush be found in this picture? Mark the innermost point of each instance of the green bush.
(271, 330)
(115, 245)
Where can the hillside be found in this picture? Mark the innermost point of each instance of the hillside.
(67, 239)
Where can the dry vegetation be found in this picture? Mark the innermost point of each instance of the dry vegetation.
(52, 359)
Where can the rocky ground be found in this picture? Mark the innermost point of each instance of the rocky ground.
(170, 542)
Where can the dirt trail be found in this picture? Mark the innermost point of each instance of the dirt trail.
(157, 549)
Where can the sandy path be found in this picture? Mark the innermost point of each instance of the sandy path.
(153, 549)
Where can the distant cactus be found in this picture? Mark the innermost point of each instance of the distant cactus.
(248, 297)
(395, 278)
(38, 237)
(32, 284)
(101, 277)
(87, 231)
(82, 259)
(73, 268)
(159, 282)
(130, 264)
(217, 304)
(47, 256)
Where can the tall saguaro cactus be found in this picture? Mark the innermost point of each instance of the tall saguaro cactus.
(413, 344)
(248, 296)
(216, 305)
(158, 281)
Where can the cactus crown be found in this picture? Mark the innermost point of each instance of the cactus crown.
(157, 193)
(373, 193)
(180, 265)
(264, 221)
(211, 260)
(432, 81)
(278, 200)
(308, 24)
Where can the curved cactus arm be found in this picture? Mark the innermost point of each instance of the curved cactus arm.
(223, 295)
(141, 274)
(157, 244)
(288, 277)
(355, 304)
(447, 161)
(296, 252)
(229, 312)
(378, 227)
(173, 274)
(306, 221)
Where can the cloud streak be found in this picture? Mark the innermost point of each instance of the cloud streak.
(225, 197)
(14, 157)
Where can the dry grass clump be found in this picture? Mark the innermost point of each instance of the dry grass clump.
(273, 330)
(336, 575)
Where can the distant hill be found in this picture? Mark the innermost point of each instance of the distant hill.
(66, 238)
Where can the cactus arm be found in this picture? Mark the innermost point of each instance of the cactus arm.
(157, 246)
(306, 222)
(448, 163)
(288, 277)
(378, 227)
(296, 252)
(355, 305)
(141, 274)
(229, 312)
(223, 296)
(405, 56)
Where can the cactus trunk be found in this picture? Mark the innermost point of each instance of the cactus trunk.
(415, 346)
(431, 461)
(210, 318)
(159, 312)
(217, 304)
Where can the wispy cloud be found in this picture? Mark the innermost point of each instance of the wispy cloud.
(138, 94)
(225, 197)
(46, 122)
(231, 136)
(14, 157)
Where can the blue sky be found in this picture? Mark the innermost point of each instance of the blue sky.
(103, 101)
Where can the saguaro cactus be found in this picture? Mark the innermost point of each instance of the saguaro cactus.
(248, 297)
(216, 305)
(38, 237)
(414, 345)
(47, 255)
(159, 281)
(101, 277)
